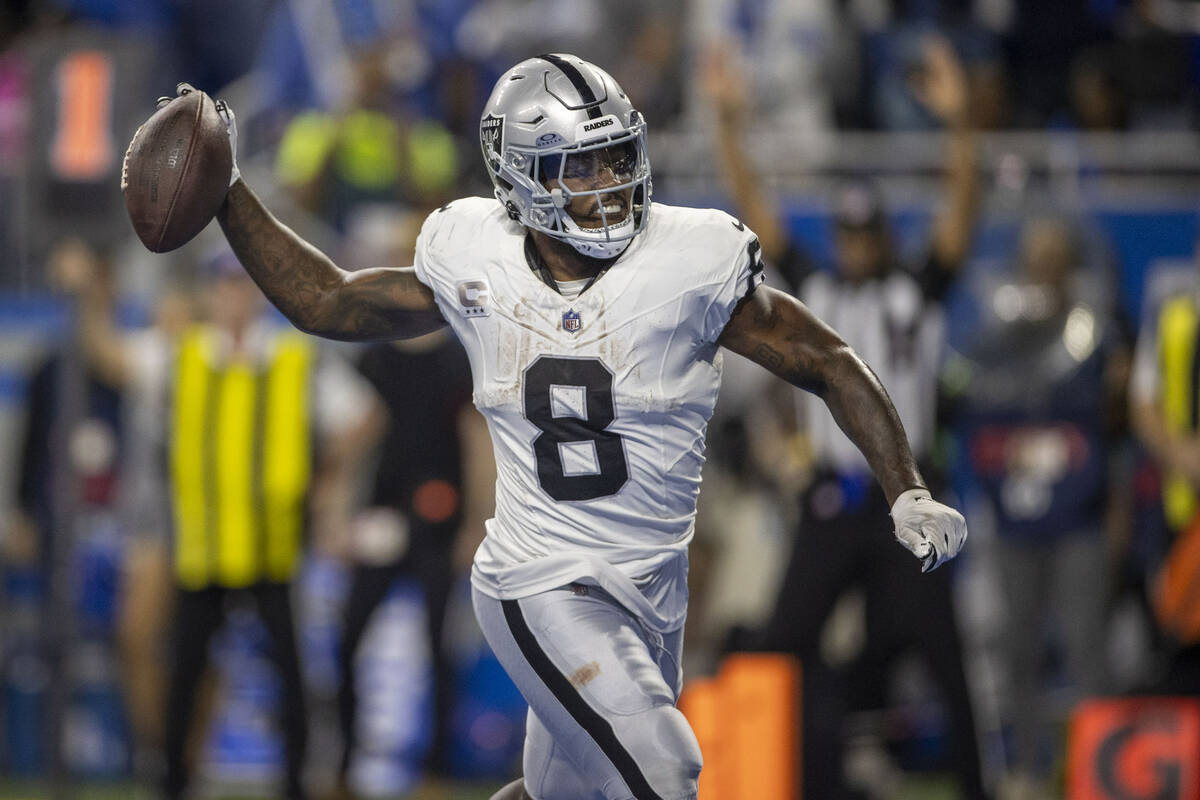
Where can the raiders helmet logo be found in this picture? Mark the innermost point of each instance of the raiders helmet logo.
(491, 139)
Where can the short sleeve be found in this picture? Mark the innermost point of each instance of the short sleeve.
(446, 239)
(421, 255)
(744, 276)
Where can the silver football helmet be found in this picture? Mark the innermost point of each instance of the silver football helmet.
(557, 116)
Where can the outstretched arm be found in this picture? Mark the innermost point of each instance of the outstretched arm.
(303, 283)
(311, 291)
(778, 332)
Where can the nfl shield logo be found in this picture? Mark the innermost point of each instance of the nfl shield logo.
(571, 321)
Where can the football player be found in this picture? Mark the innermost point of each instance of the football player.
(594, 321)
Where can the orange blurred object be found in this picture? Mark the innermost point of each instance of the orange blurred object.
(747, 720)
(1134, 747)
(1176, 594)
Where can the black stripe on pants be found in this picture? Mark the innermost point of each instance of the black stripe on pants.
(596, 726)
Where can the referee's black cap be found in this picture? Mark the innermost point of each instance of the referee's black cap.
(858, 205)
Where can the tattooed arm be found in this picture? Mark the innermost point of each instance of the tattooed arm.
(311, 291)
(778, 332)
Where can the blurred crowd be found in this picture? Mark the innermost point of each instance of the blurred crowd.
(1041, 349)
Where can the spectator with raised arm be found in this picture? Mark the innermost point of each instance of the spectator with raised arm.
(891, 311)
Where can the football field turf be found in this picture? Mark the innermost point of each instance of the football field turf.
(914, 788)
(21, 790)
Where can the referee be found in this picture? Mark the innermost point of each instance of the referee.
(889, 312)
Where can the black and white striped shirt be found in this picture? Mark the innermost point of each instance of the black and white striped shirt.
(895, 323)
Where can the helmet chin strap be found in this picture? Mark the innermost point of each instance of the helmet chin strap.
(595, 242)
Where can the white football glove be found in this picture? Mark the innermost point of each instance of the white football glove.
(931, 531)
(230, 125)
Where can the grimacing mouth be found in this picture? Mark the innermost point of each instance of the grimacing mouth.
(616, 208)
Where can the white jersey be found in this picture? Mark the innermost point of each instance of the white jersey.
(597, 406)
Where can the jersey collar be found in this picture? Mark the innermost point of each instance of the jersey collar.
(535, 262)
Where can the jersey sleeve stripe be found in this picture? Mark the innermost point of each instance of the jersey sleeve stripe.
(754, 251)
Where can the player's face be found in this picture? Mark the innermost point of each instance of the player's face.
(592, 171)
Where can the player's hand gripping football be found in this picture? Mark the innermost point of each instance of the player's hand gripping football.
(933, 532)
(226, 114)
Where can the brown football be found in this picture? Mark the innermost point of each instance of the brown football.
(176, 172)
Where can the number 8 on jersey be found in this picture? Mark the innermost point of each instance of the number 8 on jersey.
(570, 400)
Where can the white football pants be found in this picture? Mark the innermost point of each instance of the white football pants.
(601, 690)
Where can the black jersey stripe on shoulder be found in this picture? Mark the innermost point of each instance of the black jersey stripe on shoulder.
(586, 96)
(588, 718)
